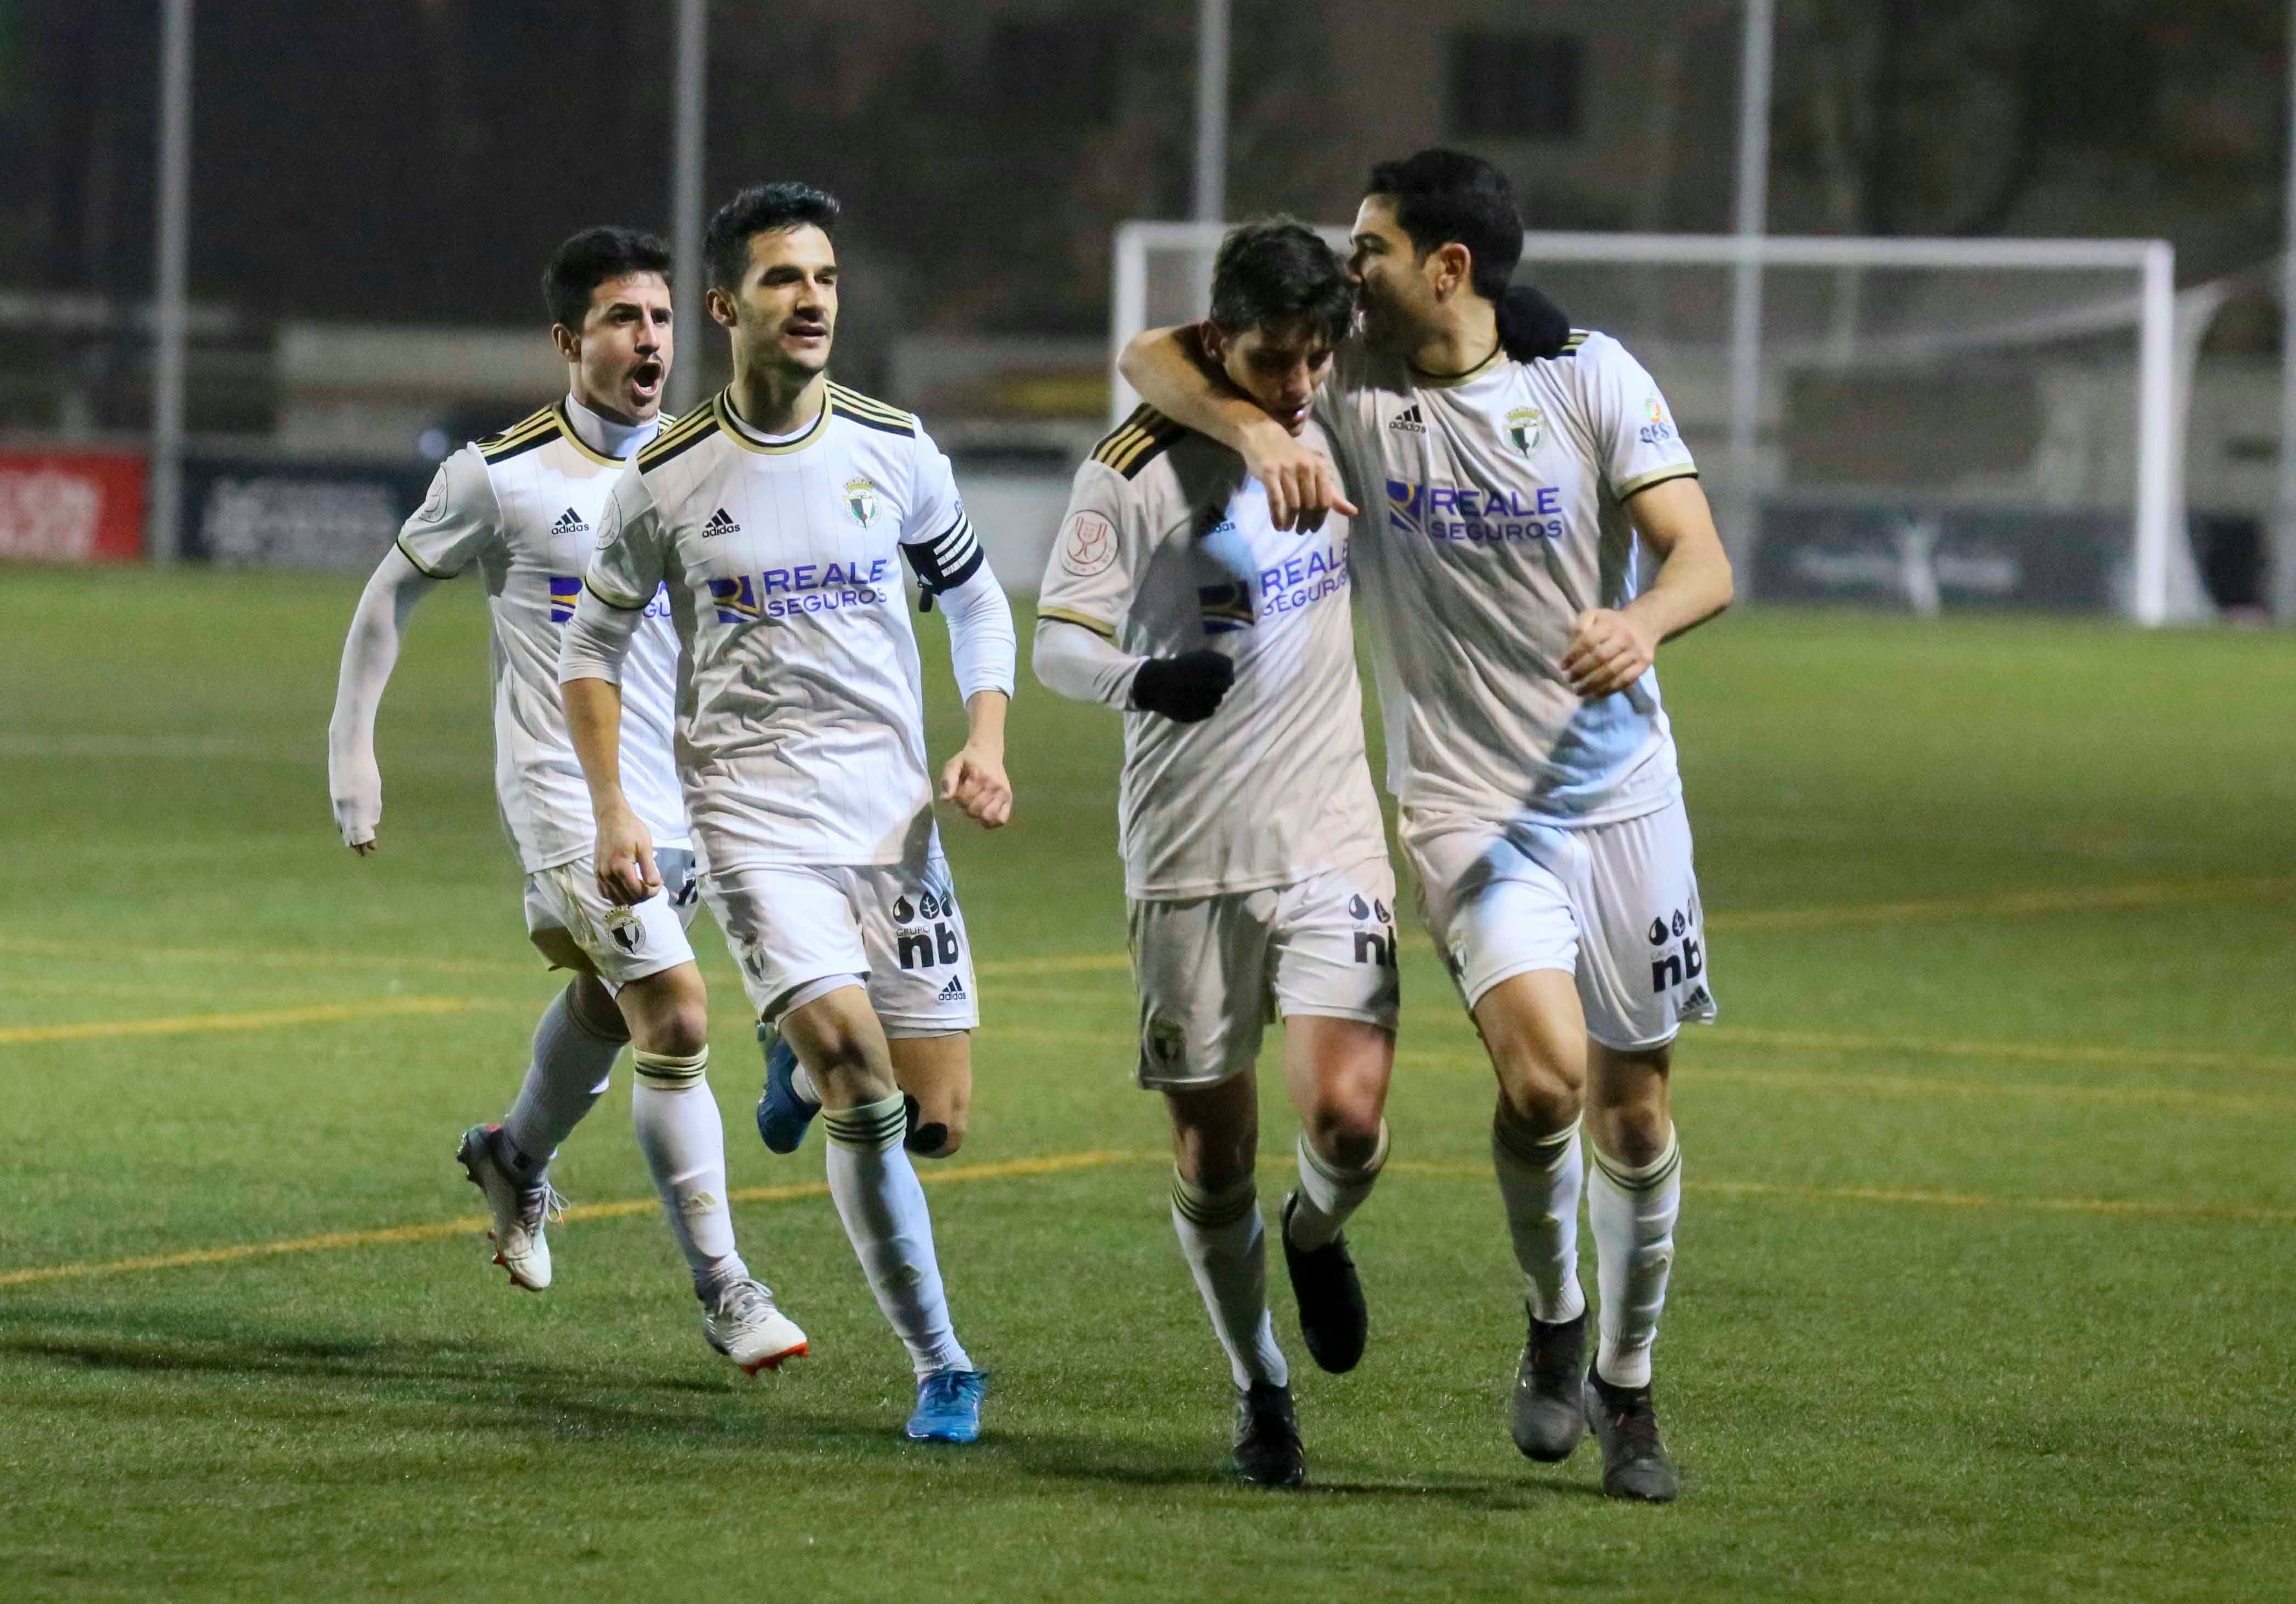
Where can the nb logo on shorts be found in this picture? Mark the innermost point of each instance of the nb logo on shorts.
(1372, 947)
(1671, 969)
(930, 949)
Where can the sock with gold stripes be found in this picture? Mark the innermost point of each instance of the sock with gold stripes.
(1329, 1193)
(1632, 1211)
(1540, 1179)
(883, 1205)
(1225, 1244)
(684, 1139)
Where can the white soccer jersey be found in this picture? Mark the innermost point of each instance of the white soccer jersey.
(800, 712)
(523, 506)
(1495, 514)
(1167, 548)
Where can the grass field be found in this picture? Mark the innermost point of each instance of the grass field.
(1986, 1261)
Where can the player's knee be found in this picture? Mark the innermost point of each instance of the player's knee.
(938, 1132)
(1346, 1130)
(1539, 1092)
(1634, 1133)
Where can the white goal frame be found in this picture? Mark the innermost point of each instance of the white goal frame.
(2151, 263)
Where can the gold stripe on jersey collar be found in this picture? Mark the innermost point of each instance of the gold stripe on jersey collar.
(738, 431)
(1424, 380)
(574, 437)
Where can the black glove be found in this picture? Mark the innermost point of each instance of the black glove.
(1185, 688)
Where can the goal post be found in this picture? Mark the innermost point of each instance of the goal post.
(1933, 413)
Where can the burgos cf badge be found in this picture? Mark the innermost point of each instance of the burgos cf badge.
(1526, 426)
(861, 500)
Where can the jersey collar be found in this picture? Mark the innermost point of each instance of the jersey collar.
(1427, 380)
(749, 439)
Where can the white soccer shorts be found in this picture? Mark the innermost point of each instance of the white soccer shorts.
(1615, 905)
(1211, 969)
(795, 929)
(623, 944)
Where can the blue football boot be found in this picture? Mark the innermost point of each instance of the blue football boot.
(948, 1406)
(782, 1115)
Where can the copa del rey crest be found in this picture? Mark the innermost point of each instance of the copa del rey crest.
(1526, 426)
(861, 500)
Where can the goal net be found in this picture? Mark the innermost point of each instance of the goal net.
(1932, 424)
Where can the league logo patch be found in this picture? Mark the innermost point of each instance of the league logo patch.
(1526, 426)
(1088, 545)
(861, 500)
(610, 524)
(434, 504)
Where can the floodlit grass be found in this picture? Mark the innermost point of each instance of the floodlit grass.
(1985, 1264)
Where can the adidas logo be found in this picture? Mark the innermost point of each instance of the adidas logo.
(570, 522)
(954, 992)
(1409, 421)
(721, 522)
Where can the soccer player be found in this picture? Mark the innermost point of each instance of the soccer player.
(520, 506)
(1254, 856)
(777, 516)
(1538, 530)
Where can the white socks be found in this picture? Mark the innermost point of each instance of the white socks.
(1632, 1211)
(567, 1077)
(1540, 1178)
(683, 1141)
(1226, 1248)
(883, 1204)
(1328, 1193)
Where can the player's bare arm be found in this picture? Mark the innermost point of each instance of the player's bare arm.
(1610, 648)
(1175, 374)
(625, 850)
(974, 779)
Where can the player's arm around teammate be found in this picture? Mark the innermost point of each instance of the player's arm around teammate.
(1255, 861)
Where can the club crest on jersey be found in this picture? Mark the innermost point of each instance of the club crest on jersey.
(861, 500)
(1526, 426)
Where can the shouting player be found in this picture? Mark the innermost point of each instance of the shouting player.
(521, 507)
(778, 516)
(1537, 531)
(1254, 857)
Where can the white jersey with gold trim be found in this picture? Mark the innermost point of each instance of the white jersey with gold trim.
(1495, 514)
(522, 506)
(800, 708)
(1167, 548)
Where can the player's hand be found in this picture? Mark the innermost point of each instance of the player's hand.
(1303, 484)
(1185, 688)
(1610, 650)
(626, 875)
(357, 787)
(974, 780)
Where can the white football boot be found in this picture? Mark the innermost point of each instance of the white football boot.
(748, 1329)
(519, 1212)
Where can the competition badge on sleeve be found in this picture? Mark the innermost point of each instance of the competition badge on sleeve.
(1088, 545)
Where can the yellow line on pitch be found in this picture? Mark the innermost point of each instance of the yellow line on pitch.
(320, 1013)
(2071, 899)
(2142, 894)
(1908, 1197)
(331, 1241)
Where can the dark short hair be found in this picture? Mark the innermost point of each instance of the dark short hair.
(761, 208)
(591, 258)
(1277, 271)
(1445, 197)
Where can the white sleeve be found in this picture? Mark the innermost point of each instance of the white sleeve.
(370, 651)
(456, 520)
(1078, 663)
(936, 538)
(981, 643)
(1090, 572)
(624, 573)
(1633, 432)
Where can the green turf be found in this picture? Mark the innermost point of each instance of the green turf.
(1948, 1322)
